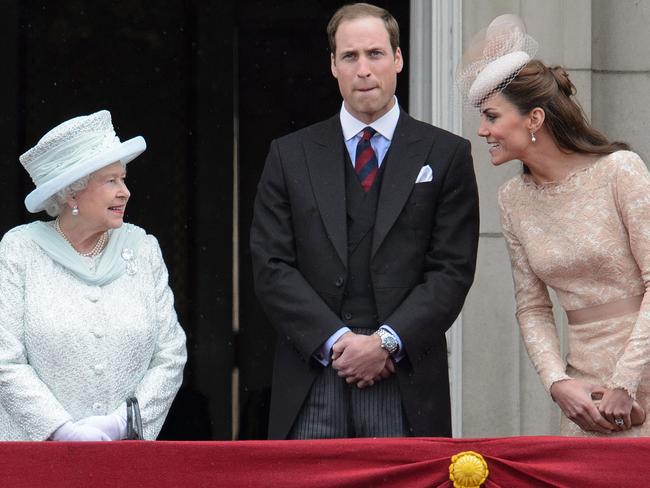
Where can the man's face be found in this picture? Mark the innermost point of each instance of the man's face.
(366, 67)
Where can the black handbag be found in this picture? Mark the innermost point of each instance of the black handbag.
(133, 420)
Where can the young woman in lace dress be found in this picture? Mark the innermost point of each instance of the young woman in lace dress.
(576, 220)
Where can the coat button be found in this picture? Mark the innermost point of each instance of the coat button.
(339, 281)
(94, 294)
(97, 407)
(99, 369)
(347, 315)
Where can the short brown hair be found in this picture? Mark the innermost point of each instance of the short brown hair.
(550, 89)
(358, 11)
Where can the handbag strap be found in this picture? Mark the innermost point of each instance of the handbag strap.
(133, 420)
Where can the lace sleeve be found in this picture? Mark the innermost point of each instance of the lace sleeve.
(534, 309)
(632, 194)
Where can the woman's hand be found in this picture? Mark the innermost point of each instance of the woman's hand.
(574, 398)
(74, 432)
(617, 404)
(114, 426)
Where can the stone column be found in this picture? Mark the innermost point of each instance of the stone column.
(502, 394)
(621, 72)
(436, 48)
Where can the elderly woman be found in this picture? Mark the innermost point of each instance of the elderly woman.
(576, 220)
(86, 314)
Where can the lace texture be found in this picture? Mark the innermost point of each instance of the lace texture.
(96, 123)
(69, 350)
(588, 238)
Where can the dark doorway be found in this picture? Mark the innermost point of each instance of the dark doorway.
(209, 85)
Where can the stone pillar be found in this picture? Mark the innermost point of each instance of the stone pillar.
(436, 48)
(502, 394)
(621, 72)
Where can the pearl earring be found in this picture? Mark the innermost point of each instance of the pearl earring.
(75, 211)
(533, 139)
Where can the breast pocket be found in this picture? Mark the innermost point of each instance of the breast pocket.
(420, 207)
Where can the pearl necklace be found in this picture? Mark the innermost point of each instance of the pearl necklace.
(97, 248)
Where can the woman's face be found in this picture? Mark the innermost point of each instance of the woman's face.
(504, 128)
(103, 201)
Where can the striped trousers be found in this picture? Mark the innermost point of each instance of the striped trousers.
(335, 409)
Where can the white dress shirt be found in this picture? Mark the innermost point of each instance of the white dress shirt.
(380, 142)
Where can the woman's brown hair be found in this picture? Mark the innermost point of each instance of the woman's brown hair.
(550, 89)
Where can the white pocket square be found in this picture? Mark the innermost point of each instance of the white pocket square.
(426, 174)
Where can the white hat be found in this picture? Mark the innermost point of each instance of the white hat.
(494, 58)
(72, 150)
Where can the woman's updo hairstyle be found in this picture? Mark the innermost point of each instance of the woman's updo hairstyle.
(550, 89)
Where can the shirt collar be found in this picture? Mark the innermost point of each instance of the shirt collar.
(385, 124)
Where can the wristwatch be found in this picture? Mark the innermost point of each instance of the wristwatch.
(388, 342)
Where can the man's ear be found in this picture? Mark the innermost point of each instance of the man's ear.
(333, 65)
(399, 60)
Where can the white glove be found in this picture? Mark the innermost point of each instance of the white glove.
(74, 432)
(113, 425)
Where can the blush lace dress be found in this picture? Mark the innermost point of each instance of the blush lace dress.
(588, 238)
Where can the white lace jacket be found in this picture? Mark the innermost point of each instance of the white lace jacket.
(69, 350)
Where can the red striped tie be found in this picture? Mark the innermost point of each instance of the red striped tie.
(365, 164)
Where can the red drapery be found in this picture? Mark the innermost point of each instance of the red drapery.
(418, 462)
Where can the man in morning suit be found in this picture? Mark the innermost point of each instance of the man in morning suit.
(364, 241)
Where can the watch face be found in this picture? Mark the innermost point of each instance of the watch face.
(388, 342)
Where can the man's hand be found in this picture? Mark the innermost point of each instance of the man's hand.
(360, 359)
(384, 374)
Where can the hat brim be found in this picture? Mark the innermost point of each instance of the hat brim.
(125, 152)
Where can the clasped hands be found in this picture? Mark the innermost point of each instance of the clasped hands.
(360, 359)
(576, 399)
(96, 428)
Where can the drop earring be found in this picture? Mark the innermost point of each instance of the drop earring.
(533, 139)
(75, 211)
